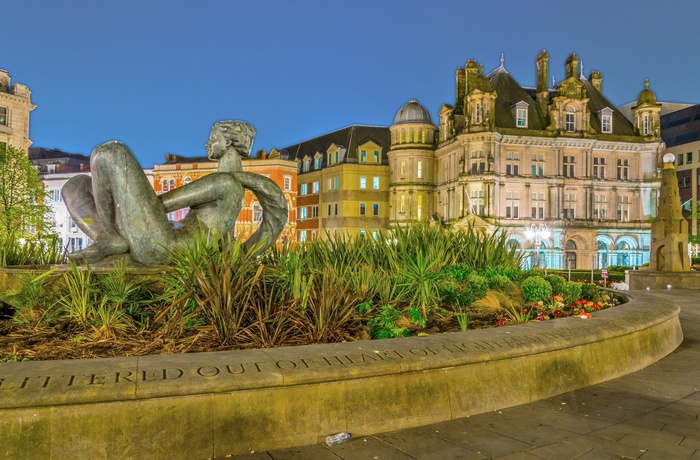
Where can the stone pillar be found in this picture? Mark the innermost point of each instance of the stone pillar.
(669, 230)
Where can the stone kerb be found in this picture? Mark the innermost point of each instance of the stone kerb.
(215, 404)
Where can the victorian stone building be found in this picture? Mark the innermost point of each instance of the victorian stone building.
(561, 169)
(15, 105)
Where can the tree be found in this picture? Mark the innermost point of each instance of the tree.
(23, 212)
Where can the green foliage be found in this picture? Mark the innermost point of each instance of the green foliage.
(536, 289)
(500, 282)
(79, 300)
(15, 250)
(383, 325)
(571, 292)
(459, 272)
(30, 301)
(590, 291)
(557, 283)
(23, 211)
(462, 319)
(478, 285)
(217, 276)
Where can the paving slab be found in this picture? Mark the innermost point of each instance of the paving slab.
(648, 415)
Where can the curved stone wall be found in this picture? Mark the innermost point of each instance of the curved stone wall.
(216, 404)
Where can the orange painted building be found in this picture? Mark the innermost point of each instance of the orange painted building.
(179, 170)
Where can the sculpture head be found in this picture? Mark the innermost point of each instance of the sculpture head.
(236, 133)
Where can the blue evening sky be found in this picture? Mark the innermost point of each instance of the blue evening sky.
(156, 74)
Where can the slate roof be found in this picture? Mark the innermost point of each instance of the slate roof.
(350, 138)
(681, 126)
(621, 125)
(509, 93)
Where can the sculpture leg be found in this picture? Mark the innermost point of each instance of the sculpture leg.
(77, 194)
(125, 197)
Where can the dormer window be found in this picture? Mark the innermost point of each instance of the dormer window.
(319, 161)
(307, 164)
(606, 120)
(570, 124)
(520, 114)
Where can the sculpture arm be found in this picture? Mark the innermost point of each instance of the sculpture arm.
(195, 193)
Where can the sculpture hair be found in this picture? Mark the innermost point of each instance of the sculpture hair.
(232, 130)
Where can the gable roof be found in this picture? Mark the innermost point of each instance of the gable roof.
(350, 137)
(509, 93)
(621, 125)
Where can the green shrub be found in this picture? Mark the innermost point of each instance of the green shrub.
(557, 283)
(459, 272)
(500, 270)
(499, 282)
(571, 292)
(590, 291)
(455, 294)
(477, 285)
(536, 289)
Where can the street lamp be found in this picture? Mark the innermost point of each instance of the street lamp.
(536, 233)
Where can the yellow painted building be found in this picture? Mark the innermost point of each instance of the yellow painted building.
(343, 181)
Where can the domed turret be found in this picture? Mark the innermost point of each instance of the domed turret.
(412, 112)
(647, 96)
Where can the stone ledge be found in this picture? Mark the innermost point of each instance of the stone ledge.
(214, 404)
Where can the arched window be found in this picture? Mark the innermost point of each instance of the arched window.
(623, 253)
(570, 125)
(602, 255)
(570, 254)
(186, 180)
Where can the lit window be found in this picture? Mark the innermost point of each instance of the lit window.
(419, 206)
(476, 199)
(522, 118)
(403, 169)
(375, 183)
(363, 182)
(257, 212)
(287, 182)
(336, 183)
(363, 156)
(307, 164)
(304, 189)
(302, 236)
(302, 213)
(538, 165)
(419, 172)
(314, 211)
(520, 113)
(376, 156)
(314, 187)
(319, 160)
(607, 123)
(3, 116)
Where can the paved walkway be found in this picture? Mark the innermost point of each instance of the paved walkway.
(649, 415)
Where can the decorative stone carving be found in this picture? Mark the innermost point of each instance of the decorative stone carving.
(669, 230)
(119, 210)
